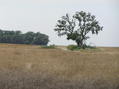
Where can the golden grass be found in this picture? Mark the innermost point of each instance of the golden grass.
(69, 65)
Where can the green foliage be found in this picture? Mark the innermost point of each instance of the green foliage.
(40, 39)
(73, 47)
(17, 37)
(77, 27)
(49, 47)
(29, 37)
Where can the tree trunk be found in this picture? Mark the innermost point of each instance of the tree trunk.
(80, 44)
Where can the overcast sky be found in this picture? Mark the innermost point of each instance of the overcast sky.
(42, 15)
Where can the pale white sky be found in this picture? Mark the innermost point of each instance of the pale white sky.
(42, 15)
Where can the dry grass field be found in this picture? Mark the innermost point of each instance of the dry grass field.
(32, 67)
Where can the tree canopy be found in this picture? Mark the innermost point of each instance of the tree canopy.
(17, 37)
(78, 27)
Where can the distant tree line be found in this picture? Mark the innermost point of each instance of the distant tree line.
(17, 37)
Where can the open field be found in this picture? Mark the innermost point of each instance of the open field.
(31, 67)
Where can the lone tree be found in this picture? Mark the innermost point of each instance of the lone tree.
(77, 27)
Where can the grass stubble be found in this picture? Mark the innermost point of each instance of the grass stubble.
(31, 67)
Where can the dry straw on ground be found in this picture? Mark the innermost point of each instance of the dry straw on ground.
(30, 67)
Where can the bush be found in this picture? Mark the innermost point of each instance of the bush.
(49, 47)
(73, 47)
